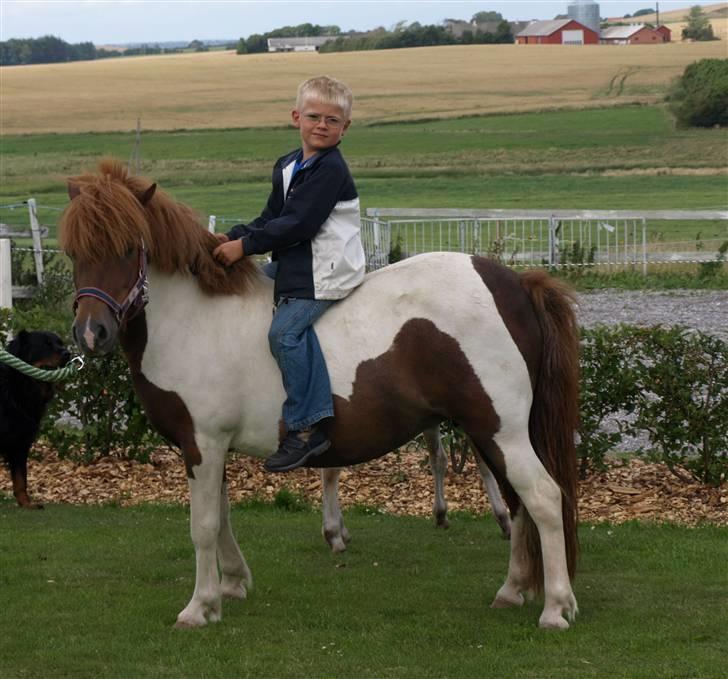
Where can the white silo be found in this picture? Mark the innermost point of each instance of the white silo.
(586, 12)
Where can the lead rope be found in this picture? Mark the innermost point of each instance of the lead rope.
(57, 375)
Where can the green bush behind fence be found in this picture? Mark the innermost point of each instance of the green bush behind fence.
(667, 386)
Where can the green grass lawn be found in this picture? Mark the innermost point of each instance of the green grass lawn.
(94, 592)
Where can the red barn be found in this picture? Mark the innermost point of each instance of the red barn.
(665, 32)
(557, 32)
(635, 34)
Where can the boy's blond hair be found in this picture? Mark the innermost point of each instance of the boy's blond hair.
(326, 91)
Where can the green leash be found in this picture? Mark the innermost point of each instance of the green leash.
(57, 375)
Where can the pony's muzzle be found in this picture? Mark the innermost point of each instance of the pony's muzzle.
(93, 336)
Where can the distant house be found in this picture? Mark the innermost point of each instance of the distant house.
(635, 34)
(665, 32)
(458, 28)
(557, 32)
(298, 44)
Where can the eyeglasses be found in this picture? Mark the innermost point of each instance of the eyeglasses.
(315, 119)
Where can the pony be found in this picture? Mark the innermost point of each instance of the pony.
(434, 337)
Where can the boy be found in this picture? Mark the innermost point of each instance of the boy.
(311, 224)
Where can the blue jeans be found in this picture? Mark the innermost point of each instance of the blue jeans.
(295, 347)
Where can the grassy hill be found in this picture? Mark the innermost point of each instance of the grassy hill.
(675, 20)
(716, 11)
(224, 90)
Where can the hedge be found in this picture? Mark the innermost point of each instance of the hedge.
(666, 385)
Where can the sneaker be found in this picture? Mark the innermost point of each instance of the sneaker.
(296, 449)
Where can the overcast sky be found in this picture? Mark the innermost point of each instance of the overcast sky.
(119, 21)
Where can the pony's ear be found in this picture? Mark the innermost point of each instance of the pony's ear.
(73, 190)
(147, 195)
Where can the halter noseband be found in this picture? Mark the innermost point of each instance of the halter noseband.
(136, 300)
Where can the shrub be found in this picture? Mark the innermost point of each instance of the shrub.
(699, 98)
(609, 385)
(98, 412)
(699, 26)
(683, 400)
(675, 384)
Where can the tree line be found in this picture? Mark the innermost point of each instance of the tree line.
(402, 35)
(50, 50)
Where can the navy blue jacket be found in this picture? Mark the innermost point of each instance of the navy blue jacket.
(311, 224)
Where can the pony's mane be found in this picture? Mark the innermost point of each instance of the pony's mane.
(107, 218)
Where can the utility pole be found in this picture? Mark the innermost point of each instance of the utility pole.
(134, 161)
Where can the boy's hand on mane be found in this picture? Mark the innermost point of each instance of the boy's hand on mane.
(228, 253)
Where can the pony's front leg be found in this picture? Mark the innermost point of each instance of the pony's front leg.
(438, 464)
(236, 579)
(334, 530)
(205, 499)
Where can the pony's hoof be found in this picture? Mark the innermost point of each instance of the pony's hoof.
(31, 505)
(188, 623)
(505, 525)
(337, 540)
(441, 520)
(337, 546)
(503, 600)
(553, 622)
(234, 591)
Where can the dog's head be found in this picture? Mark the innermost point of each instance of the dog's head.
(39, 348)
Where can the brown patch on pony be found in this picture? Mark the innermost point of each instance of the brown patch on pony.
(165, 409)
(515, 308)
(423, 378)
(112, 212)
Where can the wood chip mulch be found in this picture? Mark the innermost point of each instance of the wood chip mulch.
(399, 483)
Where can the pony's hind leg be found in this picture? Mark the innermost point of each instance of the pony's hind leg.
(236, 579)
(542, 504)
(500, 511)
(517, 585)
(438, 464)
(333, 529)
(205, 498)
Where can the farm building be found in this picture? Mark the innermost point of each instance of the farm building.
(557, 32)
(298, 44)
(458, 28)
(635, 34)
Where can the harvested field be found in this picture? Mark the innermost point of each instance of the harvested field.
(222, 89)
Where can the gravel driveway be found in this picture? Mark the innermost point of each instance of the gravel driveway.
(705, 310)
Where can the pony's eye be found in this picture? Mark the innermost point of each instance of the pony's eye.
(129, 253)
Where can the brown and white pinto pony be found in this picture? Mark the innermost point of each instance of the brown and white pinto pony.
(433, 337)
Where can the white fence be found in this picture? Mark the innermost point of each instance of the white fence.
(36, 232)
(533, 237)
(554, 238)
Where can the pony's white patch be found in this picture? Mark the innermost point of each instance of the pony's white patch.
(88, 335)
(213, 351)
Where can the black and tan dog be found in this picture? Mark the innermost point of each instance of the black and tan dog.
(23, 401)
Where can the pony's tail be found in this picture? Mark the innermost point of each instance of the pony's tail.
(555, 409)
